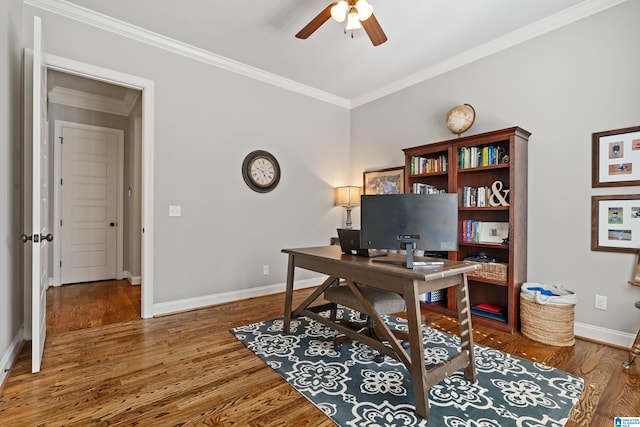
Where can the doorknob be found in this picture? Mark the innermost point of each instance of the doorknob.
(37, 238)
(112, 224)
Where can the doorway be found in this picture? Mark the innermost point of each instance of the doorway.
(143, 127)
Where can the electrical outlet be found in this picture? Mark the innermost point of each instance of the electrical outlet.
(601, 302)
(265, 269)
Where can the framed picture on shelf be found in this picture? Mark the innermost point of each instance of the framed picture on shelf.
(493, 232)
(616, 157)
(384, 181)
(615, 223)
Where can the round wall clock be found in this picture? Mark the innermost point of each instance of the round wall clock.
(261, 171)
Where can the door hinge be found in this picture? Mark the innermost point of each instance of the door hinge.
(60, 181)
(60, 223)
(61, 140)
(60, 263)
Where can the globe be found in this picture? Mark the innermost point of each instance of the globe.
(460, 118)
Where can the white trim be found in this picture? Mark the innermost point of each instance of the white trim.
(98, 20)
(604, 335)
(89, 101)
(116, 26)
(148, 110)
(133, 280)
(172, 307)
(9, 356)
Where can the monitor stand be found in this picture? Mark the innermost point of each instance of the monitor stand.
(409, 261)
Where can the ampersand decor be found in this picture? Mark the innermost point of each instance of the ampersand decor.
(498, 195)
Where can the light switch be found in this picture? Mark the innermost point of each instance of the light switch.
(174, 210)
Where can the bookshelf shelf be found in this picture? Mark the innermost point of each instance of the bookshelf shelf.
(502, 156)
(421, 175)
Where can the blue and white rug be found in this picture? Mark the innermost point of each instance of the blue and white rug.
(353, 390)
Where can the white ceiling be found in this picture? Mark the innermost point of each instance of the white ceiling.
(426, 37)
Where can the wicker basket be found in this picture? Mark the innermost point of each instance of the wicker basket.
(491, 270)
(549, 323)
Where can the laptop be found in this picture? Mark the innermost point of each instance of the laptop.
(350, 244)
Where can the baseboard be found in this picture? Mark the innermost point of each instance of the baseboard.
(133, 280)
(604, 335)
(171, 307)
(10, 355)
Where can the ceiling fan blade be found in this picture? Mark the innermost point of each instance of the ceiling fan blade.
(374, 30)
(315, 22)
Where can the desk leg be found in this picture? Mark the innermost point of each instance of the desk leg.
(288, 296)
(416, 348)
(466, 329)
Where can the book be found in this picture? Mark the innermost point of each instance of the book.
(490, 308)
(489, 315)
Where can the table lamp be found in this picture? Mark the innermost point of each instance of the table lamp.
(348, 197)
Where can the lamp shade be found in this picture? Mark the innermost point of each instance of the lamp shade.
(353, 23)
(348, 196)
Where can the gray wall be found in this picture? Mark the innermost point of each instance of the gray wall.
(10, 173)
(206, 121)
(562, 87)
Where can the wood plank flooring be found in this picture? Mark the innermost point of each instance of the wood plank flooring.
(87, 305)
(187, 369)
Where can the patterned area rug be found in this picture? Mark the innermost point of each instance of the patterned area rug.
(353, 390)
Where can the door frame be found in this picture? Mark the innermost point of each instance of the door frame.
(146, 86)
(57, 195)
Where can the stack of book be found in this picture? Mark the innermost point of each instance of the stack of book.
(421, 188)
(423, 165)
(475, 157)
(490, 311)
(475, 197)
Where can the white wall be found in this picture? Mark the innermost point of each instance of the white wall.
(562, 87)
(10, 172)
(206, 121)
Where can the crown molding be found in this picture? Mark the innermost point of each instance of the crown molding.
(116, 26)
(88, 101)
(107, 23)
(543, 26)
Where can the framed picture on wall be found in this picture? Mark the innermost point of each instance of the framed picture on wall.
(384, 181)
(615, 223)
(616, 157)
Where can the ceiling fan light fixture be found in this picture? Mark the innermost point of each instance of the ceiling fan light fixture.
(365, 10)
(339, 11)
(353, 23)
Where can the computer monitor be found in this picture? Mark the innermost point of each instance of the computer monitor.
(426, 222)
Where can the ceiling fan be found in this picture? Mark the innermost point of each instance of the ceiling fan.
(356, 13)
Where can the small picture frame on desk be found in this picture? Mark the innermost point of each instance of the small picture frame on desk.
(615, 223)
(384, 181)
(616, 157)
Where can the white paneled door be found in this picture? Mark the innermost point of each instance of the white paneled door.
(89, 213)
(40, 238)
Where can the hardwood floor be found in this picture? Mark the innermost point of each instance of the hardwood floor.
(187, 369)
(87, 305)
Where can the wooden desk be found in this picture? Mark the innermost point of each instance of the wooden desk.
(409, 283)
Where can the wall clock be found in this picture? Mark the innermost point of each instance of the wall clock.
(261, 171)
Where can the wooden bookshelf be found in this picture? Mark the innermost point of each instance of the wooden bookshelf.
(470, 165)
